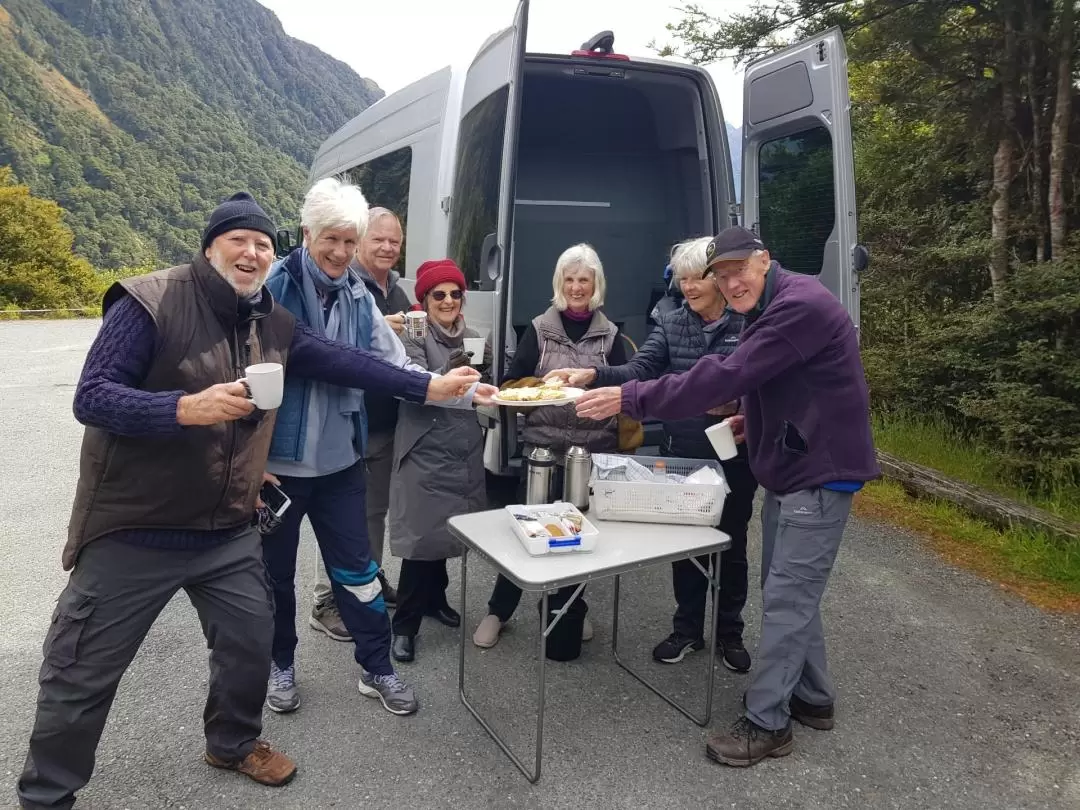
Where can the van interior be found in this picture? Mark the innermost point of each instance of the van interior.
(618, 162)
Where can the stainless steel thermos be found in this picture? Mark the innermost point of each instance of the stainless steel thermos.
(576, 478)
(540, 465)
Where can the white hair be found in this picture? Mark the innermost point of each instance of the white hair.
(378, 212)
(688, 258)
(578, 257)
(331, 203)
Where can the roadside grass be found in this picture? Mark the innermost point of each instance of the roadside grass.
(1041, 569)
(936, 445)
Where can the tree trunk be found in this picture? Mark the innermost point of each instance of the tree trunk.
(1003, 163)
(1059, 134)
(1036, 45)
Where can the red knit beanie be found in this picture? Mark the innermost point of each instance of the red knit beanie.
(431, 274)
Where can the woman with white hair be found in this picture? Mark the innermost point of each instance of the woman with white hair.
(573, 331)
(699, 325)
(317, 449)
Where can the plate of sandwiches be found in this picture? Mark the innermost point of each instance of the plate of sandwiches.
(553, 392)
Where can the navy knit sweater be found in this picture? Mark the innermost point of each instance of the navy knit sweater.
(108, 395)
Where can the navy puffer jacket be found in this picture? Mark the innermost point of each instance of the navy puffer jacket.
(680, 339)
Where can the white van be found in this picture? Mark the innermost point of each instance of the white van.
(503, 165)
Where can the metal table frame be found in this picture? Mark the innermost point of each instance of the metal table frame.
(545, 588)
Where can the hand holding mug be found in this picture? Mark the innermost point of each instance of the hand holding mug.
(224, 402)
(457, 359)
(396, 321)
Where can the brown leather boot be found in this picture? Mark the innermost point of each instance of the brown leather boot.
(265, 765)
(748, 743)
(819, 717)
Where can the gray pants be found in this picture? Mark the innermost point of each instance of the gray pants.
(111, 600)
(800, 536)
(378, 466)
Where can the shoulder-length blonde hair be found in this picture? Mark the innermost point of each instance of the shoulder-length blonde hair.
(578, 257)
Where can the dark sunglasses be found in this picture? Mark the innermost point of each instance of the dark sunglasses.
(439, 295)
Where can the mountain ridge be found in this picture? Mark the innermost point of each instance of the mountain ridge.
(138, 116)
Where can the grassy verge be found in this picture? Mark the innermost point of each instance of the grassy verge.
(1044, 571)
(942, 448)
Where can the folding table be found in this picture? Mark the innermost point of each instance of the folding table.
(620, 549)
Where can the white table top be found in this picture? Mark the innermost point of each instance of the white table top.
(620, 547)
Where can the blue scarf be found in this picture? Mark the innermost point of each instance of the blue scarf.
(340, 326)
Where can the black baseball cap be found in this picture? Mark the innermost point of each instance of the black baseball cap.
(732, 244)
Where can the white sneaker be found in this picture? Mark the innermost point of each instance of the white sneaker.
(586, 630)
(487, 632)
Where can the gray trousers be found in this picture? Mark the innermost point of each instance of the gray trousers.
(800, 536)
(112, 599)
(378, 466)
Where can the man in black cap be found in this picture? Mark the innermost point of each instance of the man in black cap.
(805, 417)
(172, 461)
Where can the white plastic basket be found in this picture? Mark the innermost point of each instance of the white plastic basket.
(659, 502)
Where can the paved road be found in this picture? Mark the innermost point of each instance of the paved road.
(953, 693)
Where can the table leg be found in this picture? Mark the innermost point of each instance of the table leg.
(710, 672)
(534, 775)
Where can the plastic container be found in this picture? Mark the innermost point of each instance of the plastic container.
(585, 540)
(655, 502)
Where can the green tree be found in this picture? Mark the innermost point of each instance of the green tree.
(37, 268)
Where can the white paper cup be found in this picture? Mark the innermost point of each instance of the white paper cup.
(476, 346)
(416, 324)
(722, 439)
(266, 381)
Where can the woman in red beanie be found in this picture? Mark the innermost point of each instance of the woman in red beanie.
(430, 443)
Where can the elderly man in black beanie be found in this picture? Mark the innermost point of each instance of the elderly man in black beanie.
(171, 465)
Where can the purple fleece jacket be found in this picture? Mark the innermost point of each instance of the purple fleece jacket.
(804, 391)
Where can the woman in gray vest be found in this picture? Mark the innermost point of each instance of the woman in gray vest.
(428, 443)
(571, 333)
(698, 325)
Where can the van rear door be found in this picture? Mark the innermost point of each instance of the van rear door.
(481, 203)
(798, 165)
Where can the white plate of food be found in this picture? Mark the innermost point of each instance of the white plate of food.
(550, 393)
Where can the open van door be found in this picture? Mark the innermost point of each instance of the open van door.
(482, 201)
(798, 163)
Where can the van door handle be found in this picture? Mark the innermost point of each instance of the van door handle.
(490, 262)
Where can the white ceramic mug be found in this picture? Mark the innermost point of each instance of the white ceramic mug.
(266, 382)
(416, 324)
(476, 346)
(722, 439)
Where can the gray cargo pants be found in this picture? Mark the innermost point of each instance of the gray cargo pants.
(800, 536)
(111, 600)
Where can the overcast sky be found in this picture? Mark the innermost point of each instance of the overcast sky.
(398, 41)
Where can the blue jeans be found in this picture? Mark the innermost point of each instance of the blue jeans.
(335, 506)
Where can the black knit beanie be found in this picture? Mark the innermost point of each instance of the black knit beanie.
(239, 211)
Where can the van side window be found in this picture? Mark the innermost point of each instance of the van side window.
(795, 181)
(474, 206)
(385, 183)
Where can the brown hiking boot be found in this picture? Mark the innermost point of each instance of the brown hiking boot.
(819, 717)
(265, 765)
(748, 743)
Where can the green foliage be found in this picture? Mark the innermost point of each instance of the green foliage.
(139, 118)
(37, 268)
(926, 81)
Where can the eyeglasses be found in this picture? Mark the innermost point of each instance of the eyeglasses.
(439, 295)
